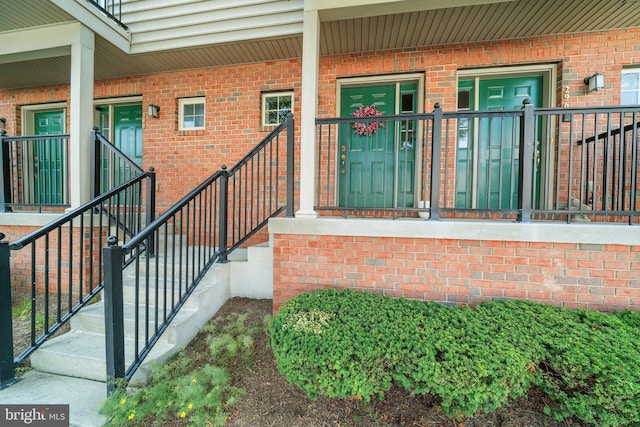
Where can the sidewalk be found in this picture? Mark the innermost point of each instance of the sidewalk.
(83, 396)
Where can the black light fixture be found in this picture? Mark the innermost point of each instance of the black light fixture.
(595, 82)
(153, 110)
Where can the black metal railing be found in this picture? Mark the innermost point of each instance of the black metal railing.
(111, 8)
(34, 172)
(204, 227)
(60, 265)
(110, 167)
(562, 164)
(604, 159)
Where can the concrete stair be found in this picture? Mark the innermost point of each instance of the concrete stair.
(81, 352)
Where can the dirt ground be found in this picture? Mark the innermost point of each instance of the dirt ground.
(272, 401)
(22, 320)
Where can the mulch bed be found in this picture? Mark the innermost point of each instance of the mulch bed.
(272, 401)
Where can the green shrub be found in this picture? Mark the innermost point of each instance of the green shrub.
(196, 388)
(354, 345)
(483, 361)
(329, 344)
(593, 370)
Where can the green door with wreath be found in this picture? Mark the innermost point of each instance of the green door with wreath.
(377, 158)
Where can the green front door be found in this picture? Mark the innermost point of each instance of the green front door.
(377, 159)
(494, 145)
(126, 136)
(49, 158)
(127, 131)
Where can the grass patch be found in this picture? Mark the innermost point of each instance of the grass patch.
(21, 310)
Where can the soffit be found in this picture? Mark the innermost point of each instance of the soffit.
(111, 62)
(480, 22)
(477, 23)
(18, 14)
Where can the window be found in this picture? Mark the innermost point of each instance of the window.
(191, 113)
(275, 107)
(630, 88)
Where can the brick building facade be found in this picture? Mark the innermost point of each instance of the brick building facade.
(584, 272)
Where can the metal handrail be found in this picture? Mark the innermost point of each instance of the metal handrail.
(531, 140)
(202, 228)
(613, 132)
(69, 216)
(111, 8)
(56, 245)
(111, 163)
(33, 171)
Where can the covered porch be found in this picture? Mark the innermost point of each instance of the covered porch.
(450, 196)
(555, 221)
(546, 165)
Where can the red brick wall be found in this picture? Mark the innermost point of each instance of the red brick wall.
(79, 268)
(183, 158)
(577, 56)
(594, 276)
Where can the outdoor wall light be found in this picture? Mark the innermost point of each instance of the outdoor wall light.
(153, 110)
(595, 82)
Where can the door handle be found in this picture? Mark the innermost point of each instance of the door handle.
(343, 157)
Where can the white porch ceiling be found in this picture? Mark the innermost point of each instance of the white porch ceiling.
(474, 23)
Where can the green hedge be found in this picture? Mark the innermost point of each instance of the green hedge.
(355, 345)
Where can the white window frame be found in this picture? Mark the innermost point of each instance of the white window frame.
(279, 95)
(182, 102)
(637, 91)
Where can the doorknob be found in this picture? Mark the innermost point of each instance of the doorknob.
(343, 157)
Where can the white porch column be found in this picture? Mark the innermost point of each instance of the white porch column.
(81, 115)
(310, 60)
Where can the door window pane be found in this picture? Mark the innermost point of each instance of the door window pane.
(464, 99)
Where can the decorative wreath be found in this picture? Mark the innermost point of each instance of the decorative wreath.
(367, 128)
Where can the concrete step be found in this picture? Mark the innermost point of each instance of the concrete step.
(82, 355)
(158, 288)
(81, 352)
(91, 320)
(170, 263)
(252, 272)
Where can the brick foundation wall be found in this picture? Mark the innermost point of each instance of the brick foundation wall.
(601, 277)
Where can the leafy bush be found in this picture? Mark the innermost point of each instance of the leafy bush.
(338, 351)
(593, 372)
(354, 345)
(191, 388)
